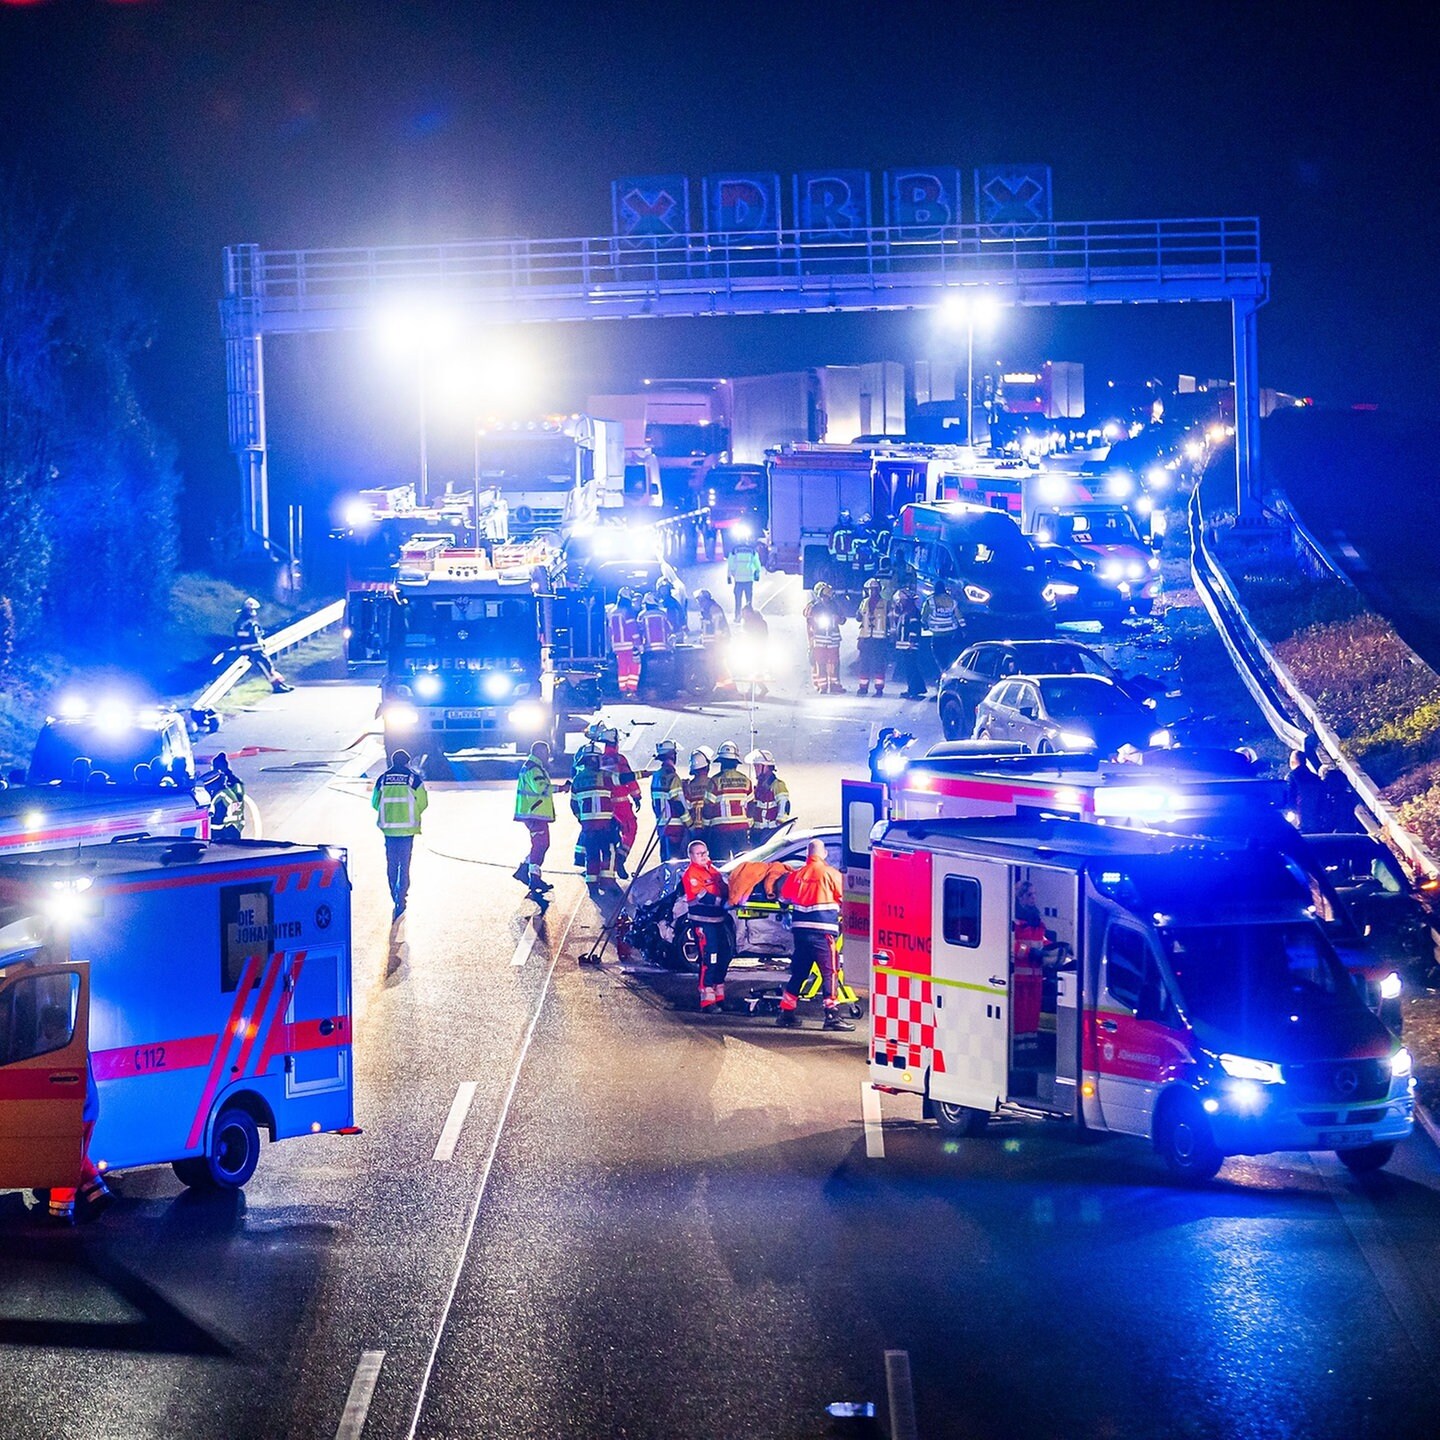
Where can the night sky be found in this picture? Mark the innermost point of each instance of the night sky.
(169, 129)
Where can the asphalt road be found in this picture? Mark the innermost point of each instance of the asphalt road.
(640, 1222)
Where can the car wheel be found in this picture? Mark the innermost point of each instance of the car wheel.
(1184, 1141)
(1365, 1158)
(959, 1119)
(231, 1159)
(952, 719)
(1044, 747)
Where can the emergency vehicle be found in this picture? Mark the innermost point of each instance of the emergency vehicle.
(50, 817)
(209, 987)
(1127, 982)
(553, 474)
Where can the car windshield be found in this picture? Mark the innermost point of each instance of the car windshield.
(517, 459)
(1058, 660)
(1104, 527)
(477, 626)
(1353, 864)
(1080, 697)
(58, 747)
(1225, 971)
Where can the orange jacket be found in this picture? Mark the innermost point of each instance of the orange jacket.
(813, 894)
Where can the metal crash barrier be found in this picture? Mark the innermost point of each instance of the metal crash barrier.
(292, 635)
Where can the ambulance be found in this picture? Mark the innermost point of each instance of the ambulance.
(50, 817)
(206, 986)
(1123, 981)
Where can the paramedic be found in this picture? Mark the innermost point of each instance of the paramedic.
(811, 896)
(705, 894)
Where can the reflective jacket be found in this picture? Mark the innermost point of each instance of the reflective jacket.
(534, 794)
(742, 565)
(822, 624)
(622, 628)
(905, 621)
(667, 796)
(874, 619)
(705, 893)
(228, 806)
(714, 627)
(624, 787)
(399, 799)
(693, 789)
(248, 630)
(842, 542)
(727, 800)
(770, 804)
(590, 794)
(812, 894)
(655, 631)
(941, 615)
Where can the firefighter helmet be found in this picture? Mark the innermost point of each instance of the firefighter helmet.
(650, 602)
(760, 757)
(251, 604)
(699, 760)
(608, 735)
(666, 750)
(627, 595)
(872, 585)
(595, 729)
(728, 751)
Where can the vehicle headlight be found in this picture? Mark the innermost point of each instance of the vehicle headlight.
(891, 764)
(1058, 589)
(1241, 1067)
(1153, 562)
(401, 717)
(1119, 484)
(1160, 739)
(1076, 740)
(528, 717)
(1157, 477)
(1134, 571)
(1390, 986)
(977, 594)
(427, 686)
(1144, 505)
(1401, 1064)
(497, 685)
(741, 531)
(1112, 570)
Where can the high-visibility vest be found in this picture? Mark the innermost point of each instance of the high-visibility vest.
(667, 796)
(743, 565)
(593, 802)
(399, 799)
(228, 806)
(813, 894)
(941, 615)
(693, 791)
(842, 541)
(874, 622)
(534, 795)
(771, 804)
(654, 631)
(727, 800)
(822, 636)
(624, 787)
(622, 627)
(705, 893)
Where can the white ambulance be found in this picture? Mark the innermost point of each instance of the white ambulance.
(1123, 981)
(206, 986)
(53, 817)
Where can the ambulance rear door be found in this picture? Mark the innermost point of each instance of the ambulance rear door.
(44, 1046)
(970, 910)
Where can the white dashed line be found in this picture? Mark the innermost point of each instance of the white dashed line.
(454, 1122)
(900, 1392)
(526, 945)
(362, 1388)
(874, 1124)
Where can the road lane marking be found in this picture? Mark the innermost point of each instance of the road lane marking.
(526, 945)
(454, 1122)
(485, 1169)
(874, 1131)
(901, 1395)
(362, 1389)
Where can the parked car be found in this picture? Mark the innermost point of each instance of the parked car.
(979, 666)
(1072, 713)
(1106, 535)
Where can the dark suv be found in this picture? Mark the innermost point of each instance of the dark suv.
(969, 679)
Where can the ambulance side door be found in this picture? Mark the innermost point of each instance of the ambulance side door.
(971, 974)
(44, 1044)
(317, 1023)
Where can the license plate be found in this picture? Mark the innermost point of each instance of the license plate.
(464, 714)
(1343, 1139)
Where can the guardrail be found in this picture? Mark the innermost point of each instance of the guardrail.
(1249, 651)
(288, 638)
(1313, 555)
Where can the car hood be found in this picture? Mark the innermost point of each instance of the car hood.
(1317, 1032)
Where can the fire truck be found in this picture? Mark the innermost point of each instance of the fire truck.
(207, 988)
(1123, 981)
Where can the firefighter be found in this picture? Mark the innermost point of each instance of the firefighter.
(742, 565)
(399, 800)
(822, 627)
(624, 796)
(726, 806)
(770, 804)
(864, 549)
(705, 895)
(667, 801)
(535, 810)
(842, 541)
(715, 637)
(694, 793)
(874, 638)
(811, 897)
(940, 616)
(657, 649)
(592, 802)
(623, 632)
(227, 807)
(676, 611)
(250, 643)
(908, 634)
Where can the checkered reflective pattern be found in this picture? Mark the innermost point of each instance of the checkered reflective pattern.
(957, 1035)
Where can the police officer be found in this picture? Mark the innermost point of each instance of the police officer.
(742, 565)
(706, 894)
(811, 896)
(622, 628)
(250, 642)
(822, 627)
(770, 804)
(874, 638)
(592, 801)
(667, 801)
(399, 800)
(535, 810)
(227, 807)
(940, 616)
(726, 806)
(693, 790)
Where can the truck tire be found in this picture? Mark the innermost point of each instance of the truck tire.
(959, 1119)
(1182, 1136)
(1365, 1159)
(231, 1159)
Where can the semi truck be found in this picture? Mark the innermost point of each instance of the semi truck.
(552, 474)
(830, 403)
